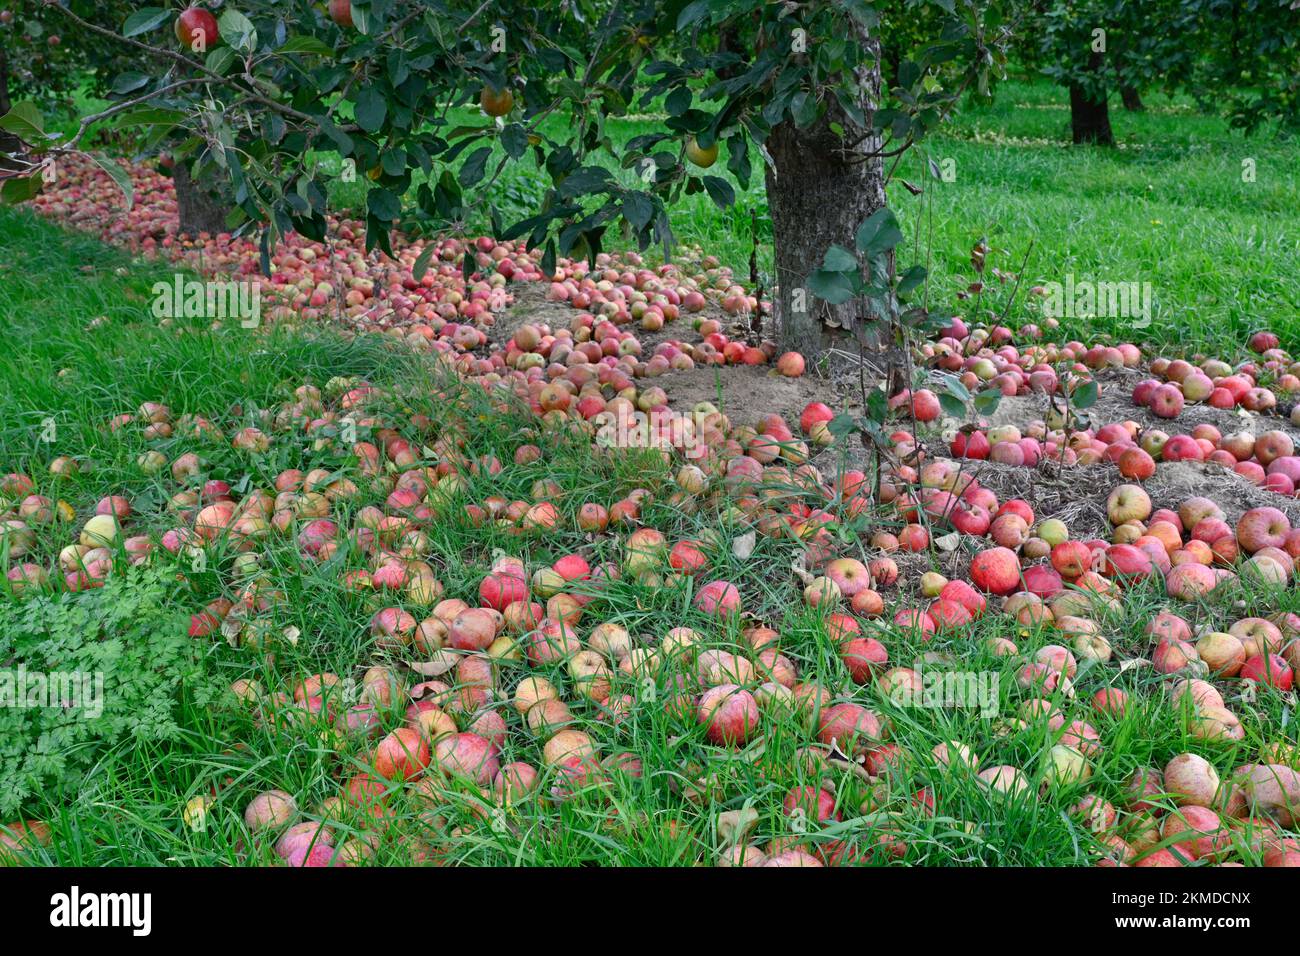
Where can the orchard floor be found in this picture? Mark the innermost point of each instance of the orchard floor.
(649, 786)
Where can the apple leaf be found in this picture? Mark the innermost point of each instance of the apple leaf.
(987, 401)
(306, 44)
(371, 109)
(118, 174)
(1085, 396)
(238, 31)
(24, 120)
(142, 21)
(910, 280)
(839, 259)
(719, 191)
(878, 233)
(833, 287)
(422, 262)
(19, 189)
(743, 546)
(952, 405)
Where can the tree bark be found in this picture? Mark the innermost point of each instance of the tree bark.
(200, 209)
(1131, 98)
(1090, 118)
(1089, 110)
(9, 143)
(818, 194)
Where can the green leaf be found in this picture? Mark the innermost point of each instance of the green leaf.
(843, 424)
(238, 31)
(118, 174)
(952, 405)
(371, 109)
(719, 191)
(803, 107)
(149, 116)
(879, 233)
(514, 140)
(18, 189)
(953, 386)
(475, 166)
(306, 44)
(910, 280)
(129, 82)
(361, 18)
(220, 60)
(638, 210)
(142, 21)
(588, 179)
(384, 205)
(1085, 396)
(833, 287)
(693, 11)
(678, 101)
(987, 401)
(839, 259)
(24, 120)
(422, 261)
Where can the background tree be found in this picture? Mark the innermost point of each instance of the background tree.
(1250, 65)
(42, 61)
(1236, 57)
(374, 82)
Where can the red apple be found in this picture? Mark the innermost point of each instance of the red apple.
(196, 29)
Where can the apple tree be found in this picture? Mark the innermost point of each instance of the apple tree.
(1238, 57)
(258, 93)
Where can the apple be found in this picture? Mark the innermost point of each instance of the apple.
(1071, 559)
(849, 575)
(1153, 441)
(1136, 464)
(1269, 669)
(496, 102)
(700, 156)
(1262, 341)
(196, 29)
(1128, 503)
(852, 728)
(814, 412)
(1173, 656)
(925, 405)
(1166, 401)
(474, 758)
(401, 755)
(1005, 779)
(996, 570)
(270, 810)
(1188, 582)
(729, 714)
(1182, 448)
(341, 12)
(1262, 528)
(1193, 831)
(1191, 780)
(718, 598)
(791, 364)
(1273, 445)
(1066, 766)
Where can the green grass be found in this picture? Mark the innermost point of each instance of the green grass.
(57, 362)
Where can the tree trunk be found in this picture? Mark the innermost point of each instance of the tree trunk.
(1131, 98)
(818, 194)
(1090, 118)
(9, 143)
(200, 209)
